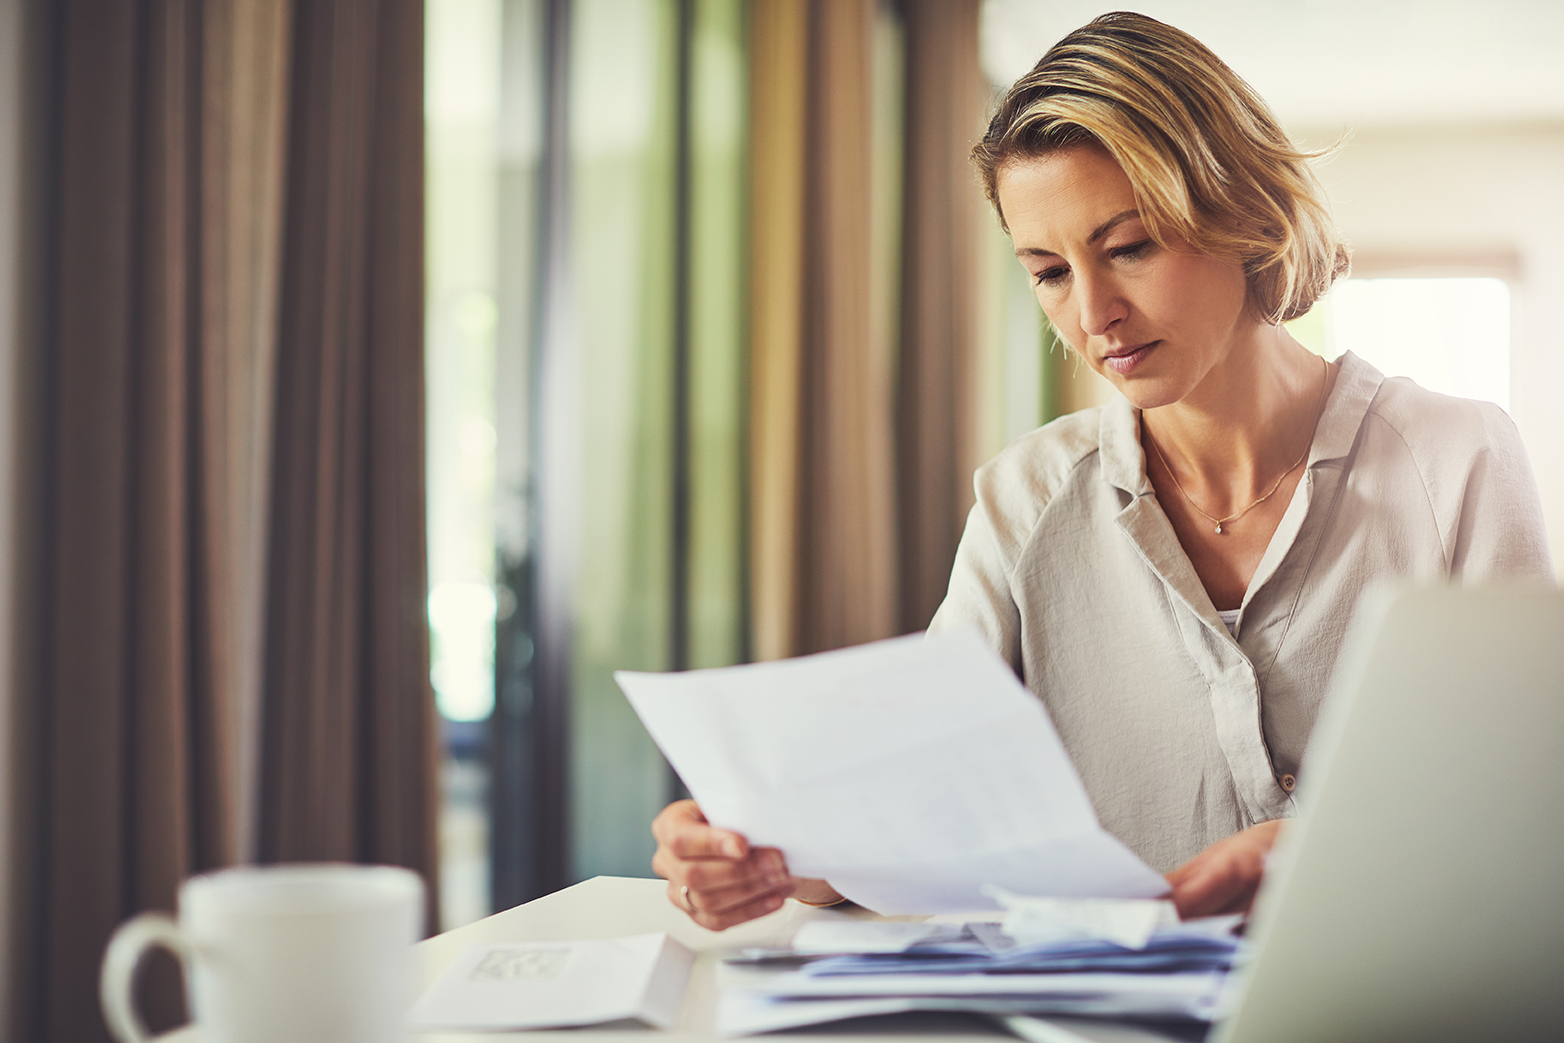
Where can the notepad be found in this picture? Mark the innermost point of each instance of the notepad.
(559, 984)
(909, 773)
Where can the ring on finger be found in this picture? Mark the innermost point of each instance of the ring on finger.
(684, 896)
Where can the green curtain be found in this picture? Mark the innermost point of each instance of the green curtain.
(718, 77)
(625, 166)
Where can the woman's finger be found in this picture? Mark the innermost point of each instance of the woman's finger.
(721, 920)
(675, 818)
(740, 893)
(706, 842)
(1225, 877)
(723, 900)
(713, 874)
(763, 868)
(706, 907)
(682, 830)
(1206, 893)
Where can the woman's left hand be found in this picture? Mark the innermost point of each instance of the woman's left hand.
(1225, 876)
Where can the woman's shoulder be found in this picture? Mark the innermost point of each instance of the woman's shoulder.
(1472, 467)
(1438, 428)
(1030, 471)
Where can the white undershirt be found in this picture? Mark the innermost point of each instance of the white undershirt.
(1230, 618)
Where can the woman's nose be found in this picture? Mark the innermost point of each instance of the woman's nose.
(1102, 305)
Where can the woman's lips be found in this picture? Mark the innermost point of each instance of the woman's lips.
(1123, 360)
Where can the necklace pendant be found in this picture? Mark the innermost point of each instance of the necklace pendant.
(1219, 528)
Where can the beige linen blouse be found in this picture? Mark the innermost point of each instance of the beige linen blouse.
(1182, 732)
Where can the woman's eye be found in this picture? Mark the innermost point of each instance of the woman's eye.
(1130, 252)
(1050, 276)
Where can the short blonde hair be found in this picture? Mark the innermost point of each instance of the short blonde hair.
(1208, 160)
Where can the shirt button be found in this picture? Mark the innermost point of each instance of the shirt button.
(1288, 782)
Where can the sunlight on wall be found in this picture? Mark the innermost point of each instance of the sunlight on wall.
(461, 110)
(462, 125)
(1449, 335)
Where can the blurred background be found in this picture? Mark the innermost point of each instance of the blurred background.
(379, 376)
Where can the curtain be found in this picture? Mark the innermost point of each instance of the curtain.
(349, 740)
(139, 784)
(861, 454)
(822, 544)
(779, 46)
(938, 437)
(219, 557)
(848, 586)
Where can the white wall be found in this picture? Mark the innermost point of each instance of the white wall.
(1467, 198)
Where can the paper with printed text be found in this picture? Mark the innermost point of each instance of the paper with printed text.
(909, 773)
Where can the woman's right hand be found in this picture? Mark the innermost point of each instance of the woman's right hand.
(728, 881)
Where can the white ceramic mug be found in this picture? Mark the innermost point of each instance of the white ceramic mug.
(317, 953)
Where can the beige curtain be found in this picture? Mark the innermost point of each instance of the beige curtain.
(217, 557)
(779, 48)
(349, 740)
(938, 444)
(822, 464)
(847, 585)
(860, 463)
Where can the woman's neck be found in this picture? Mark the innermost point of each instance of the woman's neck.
(1245, 424)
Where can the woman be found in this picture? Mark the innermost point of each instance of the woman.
(1173, 574)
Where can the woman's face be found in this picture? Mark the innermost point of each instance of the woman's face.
(1154, 320)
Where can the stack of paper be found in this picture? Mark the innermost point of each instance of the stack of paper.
(910, 773)
(877, 968)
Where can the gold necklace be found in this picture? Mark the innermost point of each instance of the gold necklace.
(1318, 410)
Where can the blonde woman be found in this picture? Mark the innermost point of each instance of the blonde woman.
(1173, 574)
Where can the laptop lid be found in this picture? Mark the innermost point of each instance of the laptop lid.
(1421, 893)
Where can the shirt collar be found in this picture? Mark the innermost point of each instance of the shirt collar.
(1123, 461)
(1121, 458)
(1357, 383)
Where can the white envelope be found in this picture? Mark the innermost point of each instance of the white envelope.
(538, 985)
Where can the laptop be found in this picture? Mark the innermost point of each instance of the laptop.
(1420, 896)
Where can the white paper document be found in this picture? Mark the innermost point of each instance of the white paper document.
(1129, 922)
(558, 984)
(909, 773)
(827, 937)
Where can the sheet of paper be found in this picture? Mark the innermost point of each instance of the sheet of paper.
(558, 984)
(909, 773)
(1129, 922)
(824, 937)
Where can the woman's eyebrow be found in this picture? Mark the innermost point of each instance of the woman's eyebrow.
(1097, 233)
(1108, 225)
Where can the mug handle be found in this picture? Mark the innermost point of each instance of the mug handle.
(126, 948)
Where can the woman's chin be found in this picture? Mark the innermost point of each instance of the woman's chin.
(1150, 394)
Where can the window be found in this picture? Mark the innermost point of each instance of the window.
(1450, 335)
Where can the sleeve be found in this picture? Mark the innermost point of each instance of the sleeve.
(979, 594)
(1500, 532)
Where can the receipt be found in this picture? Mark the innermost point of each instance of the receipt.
(909, 773)
(1123, 921)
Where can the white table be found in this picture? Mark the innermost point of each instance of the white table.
(611, 907)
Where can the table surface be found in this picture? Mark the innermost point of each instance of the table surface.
(612, 907)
